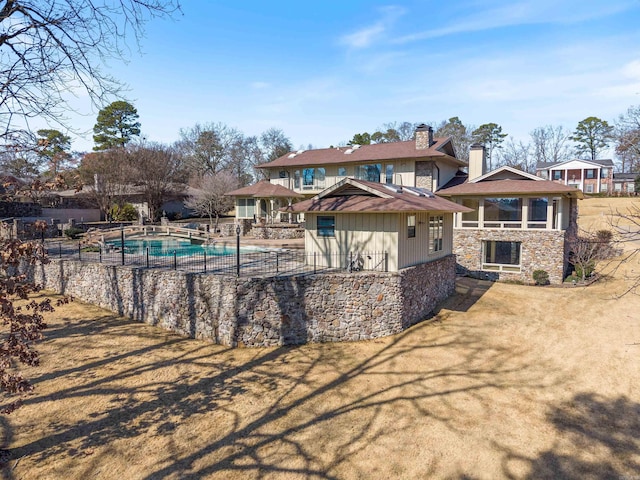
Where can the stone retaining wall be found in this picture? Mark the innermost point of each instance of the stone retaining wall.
(260, 312)
(277, 232)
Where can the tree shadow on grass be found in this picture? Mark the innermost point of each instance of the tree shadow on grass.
(305, 411)
(598, 438)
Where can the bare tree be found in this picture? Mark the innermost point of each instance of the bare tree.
(107, 177)
(626, 225)
(551, 144)
(208, 196)
(159, 171)
(208, 148)
(51, 49)
(627, 138)
(517, 155)
(588, 248)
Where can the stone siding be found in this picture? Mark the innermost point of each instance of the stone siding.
(276, 232)
(424, 175)
(541, 250)
(260, 312)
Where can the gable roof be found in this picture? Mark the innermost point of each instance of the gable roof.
(442, 148)
(350, 195)
(460, 186)
(606, 162)
(504, 172)
(264, 189)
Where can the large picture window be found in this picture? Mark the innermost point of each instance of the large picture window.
(246, 207)
(436, 233)
(538, 212)
(326, 226)
(503, 212)
(502, 256)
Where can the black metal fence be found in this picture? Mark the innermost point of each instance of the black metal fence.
(254, 264)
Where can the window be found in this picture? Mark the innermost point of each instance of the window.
(557, 175)
(588, 189)
(326, 226)
(470, 219)
(618, 187)
(544, 174)
(591, 173)
(604, 173)
(436, 233)
(411, 226)
(369, 172)
(246, 207)
(503, 212)
(342, 171)
(388, 174)
(307, 178)
(296, 179)
(502, 256)
(282, 174)
(630, 187)
(538, 212)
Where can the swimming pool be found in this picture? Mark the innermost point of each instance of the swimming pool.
(182, 248)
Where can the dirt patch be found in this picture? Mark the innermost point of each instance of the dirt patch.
(505, 381)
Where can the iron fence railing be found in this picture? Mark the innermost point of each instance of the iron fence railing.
(253, 264)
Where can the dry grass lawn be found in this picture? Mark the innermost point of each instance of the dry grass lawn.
(505, 381)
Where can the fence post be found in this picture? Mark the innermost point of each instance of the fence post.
(122, 244)
(237, 250)
(147, 257)
(100, 254)
(314, 262)
(79, 252)
(60, 250)
(205, 261)
(386, 261)
(175, 260)
(277, 264)
(350, 269)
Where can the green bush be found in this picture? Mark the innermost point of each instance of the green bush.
(73, 232)
(124, 213)
(541, 277)
(588, 270)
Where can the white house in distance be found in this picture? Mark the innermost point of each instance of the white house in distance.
(590, 176)
(410, 225)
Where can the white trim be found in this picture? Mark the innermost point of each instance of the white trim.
(505, 168)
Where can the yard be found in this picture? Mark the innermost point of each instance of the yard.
(505, 381)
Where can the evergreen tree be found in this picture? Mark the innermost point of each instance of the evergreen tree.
(490, 135)
(116, 126)
(592, 135)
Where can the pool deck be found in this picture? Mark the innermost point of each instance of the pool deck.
(288, 244)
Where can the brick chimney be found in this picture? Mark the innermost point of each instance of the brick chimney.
(424, 137)
(477, 161)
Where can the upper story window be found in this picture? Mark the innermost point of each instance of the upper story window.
(370, 173)
(557, 175)
(604, 173)
(313, 178)
(503, 210)
(591, 173)
(538, 212)
(296, 179)
(388, 171)
(342, 171)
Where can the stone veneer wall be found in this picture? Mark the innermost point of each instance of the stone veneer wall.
(424, 175)
(278, 232)
(260, 312)
(541, 249)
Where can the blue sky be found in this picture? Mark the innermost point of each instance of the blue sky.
(323, 71)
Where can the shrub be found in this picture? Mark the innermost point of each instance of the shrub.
(541, 277)
(586, 271)
(73, 232)
(124, 213)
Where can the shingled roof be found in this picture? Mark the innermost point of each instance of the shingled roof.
(350, 195)
(264, 189)
(442, 148)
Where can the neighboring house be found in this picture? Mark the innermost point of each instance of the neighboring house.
(519, 222)
(589, 176)
(625, 183)
(425, 162)
(263, 200)
(410, 225)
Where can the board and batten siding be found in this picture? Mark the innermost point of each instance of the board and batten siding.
(357, 233)
(414, 251)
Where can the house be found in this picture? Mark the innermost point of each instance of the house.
(590, 176)
(624, 183)
(425, 162)
(263, 200)
(410, 225)
(518, 222)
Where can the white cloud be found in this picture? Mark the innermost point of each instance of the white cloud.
(259, 85)
(367, 36)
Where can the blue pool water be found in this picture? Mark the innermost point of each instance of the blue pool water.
(166, 246)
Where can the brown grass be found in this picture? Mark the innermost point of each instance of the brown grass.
(505, 381)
